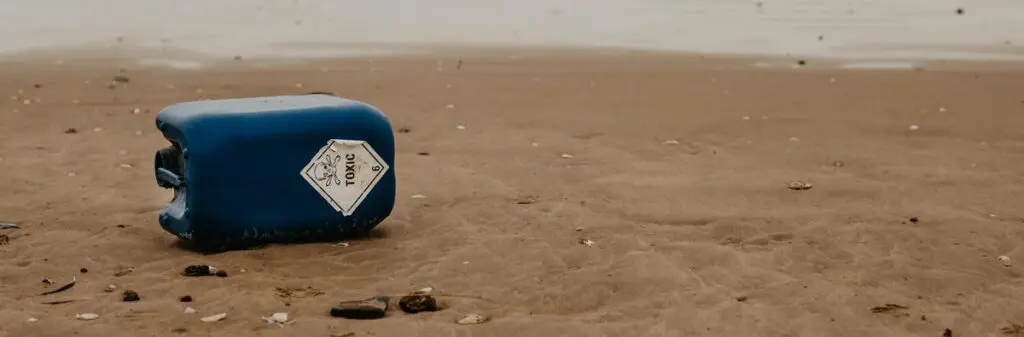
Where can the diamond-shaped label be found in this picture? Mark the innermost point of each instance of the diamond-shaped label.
(344, 172)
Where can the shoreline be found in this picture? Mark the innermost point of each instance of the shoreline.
(192, 60)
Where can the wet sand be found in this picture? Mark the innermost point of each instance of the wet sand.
(887, 30)
(679, 173)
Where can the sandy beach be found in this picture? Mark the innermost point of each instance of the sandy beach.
(678, 175)
(615, 169)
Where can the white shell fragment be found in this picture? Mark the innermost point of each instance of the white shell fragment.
(214, 318)
(800, 185)
(277, 318)
(189, 310)
(87, 316)
(471, 319)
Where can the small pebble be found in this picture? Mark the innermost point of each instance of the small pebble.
(221, 273)
(32, 320)
(471, 319)
(942, 109)
(914, 127)
(587, 242)
(417, 196)
(671, 142)
(189, 310)
(198, 270)
(97, 129)
(110, 288)
(1005, 260)
(451, 106)
(83, 270)
(461, 127)
(185, 299)
(566, 156)
(130, 296)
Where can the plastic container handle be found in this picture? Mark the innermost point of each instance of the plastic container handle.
(167, 179)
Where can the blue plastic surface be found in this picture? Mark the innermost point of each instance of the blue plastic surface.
(235, 167)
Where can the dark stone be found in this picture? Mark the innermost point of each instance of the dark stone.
(130, 296)
(370, 308)
(197, 270)
(417, 303)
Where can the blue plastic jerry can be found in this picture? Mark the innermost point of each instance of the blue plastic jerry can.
(259, 170)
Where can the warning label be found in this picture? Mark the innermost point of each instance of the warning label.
(344, 172)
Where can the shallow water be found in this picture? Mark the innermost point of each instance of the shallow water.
(888, 29)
